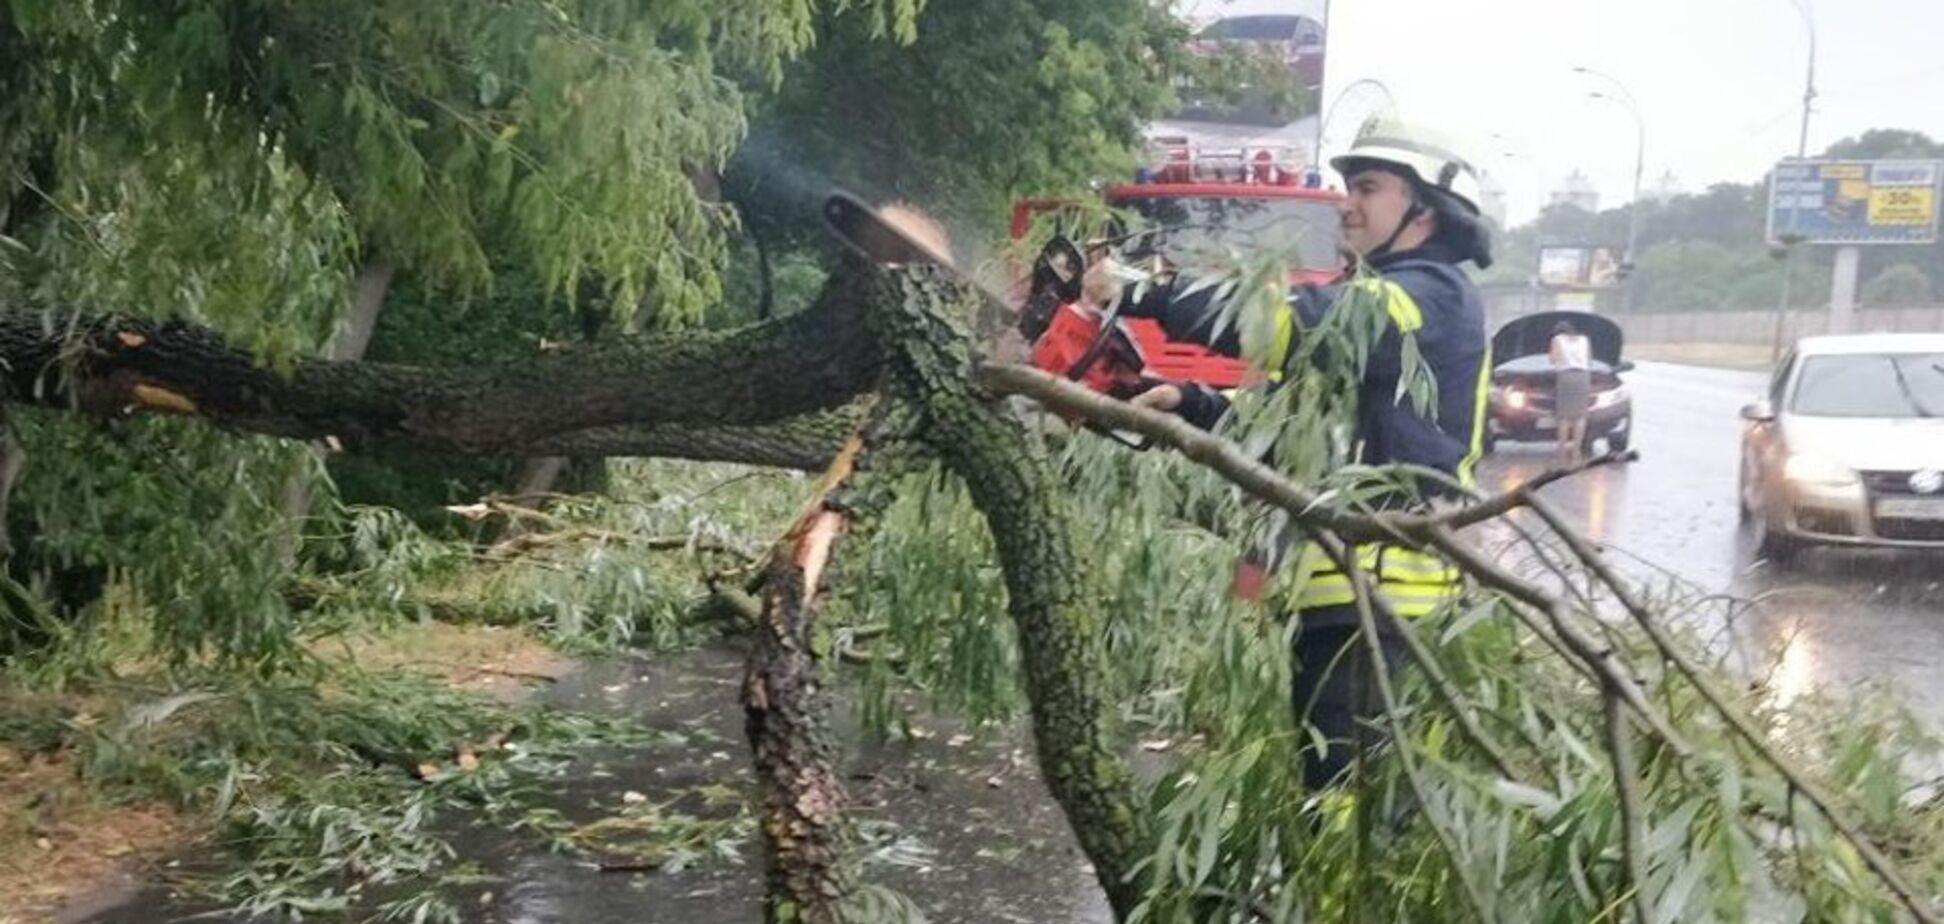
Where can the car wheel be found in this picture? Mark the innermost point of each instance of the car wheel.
(1617, 442)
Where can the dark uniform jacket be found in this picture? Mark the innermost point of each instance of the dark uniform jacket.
(1427, 295)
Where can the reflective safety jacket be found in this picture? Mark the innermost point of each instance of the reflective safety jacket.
(1426, 295)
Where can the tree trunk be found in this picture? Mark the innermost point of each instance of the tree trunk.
(13, 458)
(368, 290)
(931, 362)
(785, 715)
(812, 361)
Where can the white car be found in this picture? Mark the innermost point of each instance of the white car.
(1848, 446)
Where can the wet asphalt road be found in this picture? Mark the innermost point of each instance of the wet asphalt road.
(1838, 620)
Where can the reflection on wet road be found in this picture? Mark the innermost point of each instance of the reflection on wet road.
(1848, 618)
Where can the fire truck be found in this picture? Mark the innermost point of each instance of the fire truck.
(1188, 200)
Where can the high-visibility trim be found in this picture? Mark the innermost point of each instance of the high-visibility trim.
(1281, 343)
(1413, 583)
(1407, 601)
(1479, 413)
(1398, 303)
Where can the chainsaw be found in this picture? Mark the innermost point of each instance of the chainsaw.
(1070, 339)
(1084, 343)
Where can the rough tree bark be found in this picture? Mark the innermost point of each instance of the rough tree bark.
(785, 716)
(759, 374)
(931, 363)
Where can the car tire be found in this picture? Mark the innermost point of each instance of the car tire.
(1618, 442)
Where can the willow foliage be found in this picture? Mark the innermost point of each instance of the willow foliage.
(233, 162)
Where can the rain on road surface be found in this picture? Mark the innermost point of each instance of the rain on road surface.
(1850, 617)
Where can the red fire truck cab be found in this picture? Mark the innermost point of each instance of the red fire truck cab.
(1232, 200)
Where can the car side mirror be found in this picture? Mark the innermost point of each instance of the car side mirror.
(1625, 365)
(1758, 412)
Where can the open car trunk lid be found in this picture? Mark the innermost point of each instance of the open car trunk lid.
(1532, 335)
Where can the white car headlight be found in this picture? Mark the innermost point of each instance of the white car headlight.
(1610, 397)
(1515, 399)
(1812, 469)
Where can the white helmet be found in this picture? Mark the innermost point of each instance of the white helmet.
(1425, 154)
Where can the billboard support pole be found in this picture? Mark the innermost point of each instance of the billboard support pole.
(1782, 303)
(1842, 290)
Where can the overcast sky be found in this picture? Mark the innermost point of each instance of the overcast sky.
(1719, 82)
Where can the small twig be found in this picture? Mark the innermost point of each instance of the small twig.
(474, 671)
(1633, 808)
(857, 658)
(1865, 848)
(628, 866)
(726, 482)
(1600, 658)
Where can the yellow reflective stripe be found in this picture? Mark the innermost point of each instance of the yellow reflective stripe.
(1402, 308)
(1477, 451)
(1417, 592)
(1416, 610)
(1413, 583)
(1383, 562)
(1404, 599)
(1281, 342)
(1440, 573)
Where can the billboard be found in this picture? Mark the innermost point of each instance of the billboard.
(1855, 201)
(1578, 266)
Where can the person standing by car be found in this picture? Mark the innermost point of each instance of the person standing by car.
(1572, 363)
(1410, 214)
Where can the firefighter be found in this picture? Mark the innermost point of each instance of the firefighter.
(1410, 215)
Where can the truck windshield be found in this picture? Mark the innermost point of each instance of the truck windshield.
(1207, 228)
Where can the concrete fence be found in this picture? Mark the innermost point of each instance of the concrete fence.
(1758, 326)
(1746, 326)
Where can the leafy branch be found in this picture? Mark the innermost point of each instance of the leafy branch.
(1540, 608)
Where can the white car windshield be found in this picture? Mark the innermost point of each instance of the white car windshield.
(1865, 385)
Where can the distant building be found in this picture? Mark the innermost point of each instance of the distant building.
(1298, 40)
(1578, 192)
(1295, 40)
(1663, 189)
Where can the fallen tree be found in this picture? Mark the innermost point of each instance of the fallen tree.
(793, 391)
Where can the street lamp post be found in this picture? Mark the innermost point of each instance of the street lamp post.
(1626, 100)
(1328, 114)
(1789, 240)
(1323, 121)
